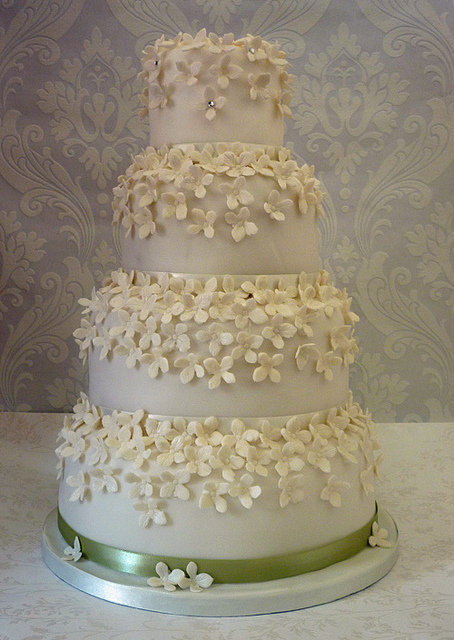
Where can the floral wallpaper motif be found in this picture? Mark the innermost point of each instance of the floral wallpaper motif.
(372, 110)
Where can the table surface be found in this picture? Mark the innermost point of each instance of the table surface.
(415, 601)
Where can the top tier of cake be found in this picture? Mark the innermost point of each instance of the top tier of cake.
(216, 89)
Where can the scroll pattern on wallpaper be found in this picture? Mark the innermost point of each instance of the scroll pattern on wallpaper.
(373, 111)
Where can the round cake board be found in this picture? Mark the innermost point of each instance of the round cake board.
(287, 594)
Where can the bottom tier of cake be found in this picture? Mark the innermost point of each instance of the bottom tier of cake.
(246, 500)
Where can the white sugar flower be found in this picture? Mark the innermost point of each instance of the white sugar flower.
(237, 162)
(104, 479)
(282, 102)
(157, 361)
(212, 496)
(245, 491)
(292, 489)
(248, 343)
(197, 460)
(196, 180)
(236, 193)
(142, 485)
(278, 330)
(175, 205)
(73, 553)
(258, 460)
(254, 48)
(247, 311)
(367, 480)
(241, 224)
(170, 452)
(332, 491)
(306, 352)
(206, 433)
(129, 349)
(227, 461)
(195, 581)
(188, 73)
(150, 513)
(80, 486)
(325, 363)
(202, 222)
(174, 484)
(267, 368)
(211, 103)
(275, 205)
(218, 44)
(190, 366)
(216, 337)
(347, 446)
(85, 335)
(295, 431)
(96, 452)
(189, 42)
(225, 71)
(258, 85)
(240, 437)
(157, 95)
(104, 341)
(286, 459)
(286, 173)
(219, 371)
(177, 337)
(378, 537)
(150, 62)
(303, 317)
(319, 454)
(165, 579)
(74, 445)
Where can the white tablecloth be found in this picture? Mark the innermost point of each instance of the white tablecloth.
(414, 601)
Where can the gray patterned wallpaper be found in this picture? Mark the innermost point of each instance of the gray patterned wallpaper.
(373, 111)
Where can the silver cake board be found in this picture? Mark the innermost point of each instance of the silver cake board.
(287, 594)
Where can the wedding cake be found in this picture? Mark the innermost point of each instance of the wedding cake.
(219, 442)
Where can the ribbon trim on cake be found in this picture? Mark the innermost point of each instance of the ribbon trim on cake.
(225, 571)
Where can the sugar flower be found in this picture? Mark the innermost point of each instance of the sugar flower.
(225, 71)
(177, 338)
(379, 537)
(211, 103)
(258, 85)
(267, 368)
(236, 192)
(175, 205)
(104, 479)
(325, 363)
(276, 204)
(245, 491)
(202, 222)
(241, 225)
(247, 345)
(150, 513)
(174, 484)
(80, 486)
(219, 371)
(213, 496)
(190, 366)
(195, 581)
(188, 73)
(226, 460)
(165, 579)
(292, 489)
(332, 491)
(216, 337)
(73, 553)
(157, 95)
(278, 330)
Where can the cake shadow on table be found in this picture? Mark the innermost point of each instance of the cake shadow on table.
(218, 464)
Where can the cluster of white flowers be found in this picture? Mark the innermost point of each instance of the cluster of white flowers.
(165, 454)
(170, 580)
(201, 329)
(178, 178)
(224, 71)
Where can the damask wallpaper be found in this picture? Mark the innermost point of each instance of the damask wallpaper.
(373, 111)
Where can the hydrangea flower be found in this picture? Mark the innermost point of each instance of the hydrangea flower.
(226, 460)
(275, 205)
(319, 454)
(241, 225)
(219, 371)
(332, 491)
(267, 368)
(245, 491)
(104, 479)
(367, 480)
(216, 337)
(236, 192)
(142, 485)
(150, 513)
(306, 352)
(202, 222)
(278, 330)
(247, 345)
(189, 42)
(286, 459)
(73, 553)
(190, 366)
(80, 486)
(175, 205)
(212, 496)
(258, 85)
(379, 537)
(197, 460)
(166, 579)
(292, 489)
(195, 581)
(177, 337)
(225, 71)
(174, 484)
(196, 180)
(325, 363)
(157, 95)
(188, 73)
(211, 103)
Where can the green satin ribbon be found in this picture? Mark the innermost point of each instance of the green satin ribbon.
(224, 571)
